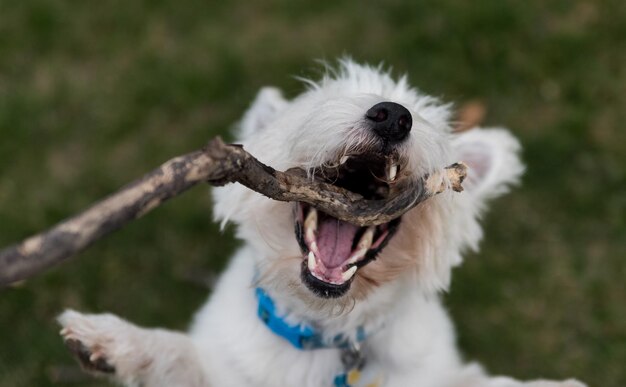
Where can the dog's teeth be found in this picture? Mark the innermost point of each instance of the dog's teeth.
(310, 223)
(360, 253)
(343, 159)
(393, 171)
(312, 264)
(309, 235)
(346, 275)
(368, 237)
(313, 247)
(364, 244)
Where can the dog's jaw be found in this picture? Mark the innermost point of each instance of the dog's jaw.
(334, 250)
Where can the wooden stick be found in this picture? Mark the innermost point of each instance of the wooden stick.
(217, 164)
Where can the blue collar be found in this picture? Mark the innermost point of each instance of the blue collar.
(301, 336)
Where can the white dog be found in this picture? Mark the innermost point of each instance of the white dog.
(331, 304)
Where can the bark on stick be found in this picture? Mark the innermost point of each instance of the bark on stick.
(217, 164)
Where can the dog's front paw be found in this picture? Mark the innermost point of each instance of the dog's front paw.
(95, 340)
(91, 359)
(106, 345)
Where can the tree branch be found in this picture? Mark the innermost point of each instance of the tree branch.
(217, 164)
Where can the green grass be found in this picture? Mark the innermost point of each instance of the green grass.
(93, 94)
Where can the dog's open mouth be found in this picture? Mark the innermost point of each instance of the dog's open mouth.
(334, 249)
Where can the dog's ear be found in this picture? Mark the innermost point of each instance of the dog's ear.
(493, 159)
(265, 107)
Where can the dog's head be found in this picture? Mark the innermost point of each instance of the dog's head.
(361, 130)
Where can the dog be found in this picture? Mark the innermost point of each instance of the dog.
(310, 300)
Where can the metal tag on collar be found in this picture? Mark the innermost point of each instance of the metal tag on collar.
(354, 362)
(352, 357)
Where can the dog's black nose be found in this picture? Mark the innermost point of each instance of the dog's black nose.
(391, 121)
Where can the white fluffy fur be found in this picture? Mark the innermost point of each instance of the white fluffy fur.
(414, 340)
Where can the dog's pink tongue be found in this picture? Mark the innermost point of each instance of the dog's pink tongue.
(334, 241)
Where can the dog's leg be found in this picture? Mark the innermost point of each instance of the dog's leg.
(106, 345)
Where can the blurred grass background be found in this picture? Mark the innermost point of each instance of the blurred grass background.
(93, 94)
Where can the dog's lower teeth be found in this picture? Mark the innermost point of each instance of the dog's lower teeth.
(311, 263)
(345, 276)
